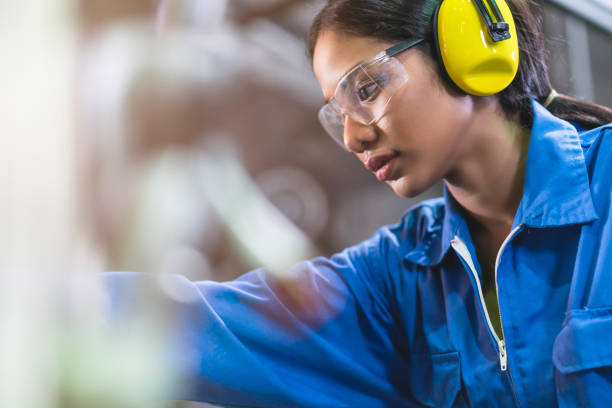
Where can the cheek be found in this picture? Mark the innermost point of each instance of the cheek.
(428, 129)
(412, 107)
(412, 119)
(429, 114)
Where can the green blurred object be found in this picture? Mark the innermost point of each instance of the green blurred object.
(104, 368)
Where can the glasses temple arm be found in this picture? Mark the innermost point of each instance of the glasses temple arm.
(402, 46)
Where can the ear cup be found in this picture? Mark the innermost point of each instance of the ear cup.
(436, 43)
(471, 59)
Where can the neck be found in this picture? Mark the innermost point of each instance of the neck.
(488, 179)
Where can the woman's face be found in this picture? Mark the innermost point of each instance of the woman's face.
(422, 134)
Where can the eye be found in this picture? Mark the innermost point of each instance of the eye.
(372, 86)
(368, 92)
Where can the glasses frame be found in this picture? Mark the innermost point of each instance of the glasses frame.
(390, 52)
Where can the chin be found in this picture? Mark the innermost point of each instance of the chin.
(404, 187)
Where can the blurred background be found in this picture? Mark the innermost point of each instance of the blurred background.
(179, 136)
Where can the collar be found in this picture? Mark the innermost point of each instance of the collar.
(556, 190)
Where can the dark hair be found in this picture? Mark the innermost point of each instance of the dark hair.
(396, 20)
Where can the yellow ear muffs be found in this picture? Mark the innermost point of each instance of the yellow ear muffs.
(468, 53)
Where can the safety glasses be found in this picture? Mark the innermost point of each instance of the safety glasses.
(364, 92)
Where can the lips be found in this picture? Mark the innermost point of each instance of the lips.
(382, 165)
(376, 163)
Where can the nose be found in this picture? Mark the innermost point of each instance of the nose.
(357, 136)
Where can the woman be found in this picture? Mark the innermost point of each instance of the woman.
(497, 294)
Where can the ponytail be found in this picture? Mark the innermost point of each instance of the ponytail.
(585, 114)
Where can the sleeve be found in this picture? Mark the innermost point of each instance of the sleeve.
(320, 338)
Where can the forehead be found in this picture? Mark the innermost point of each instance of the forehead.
(336, 53)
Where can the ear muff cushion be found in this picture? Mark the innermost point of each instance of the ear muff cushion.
(473, 61)
(440, 60)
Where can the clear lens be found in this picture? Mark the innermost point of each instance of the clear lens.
(333, 122)
(363, 94)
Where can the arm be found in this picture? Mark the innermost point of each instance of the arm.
(320, 338)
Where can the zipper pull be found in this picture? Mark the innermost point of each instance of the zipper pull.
(503, 357)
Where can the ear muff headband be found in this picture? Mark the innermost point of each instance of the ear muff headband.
(477, 44)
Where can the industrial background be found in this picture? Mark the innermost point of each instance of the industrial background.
(238, 70)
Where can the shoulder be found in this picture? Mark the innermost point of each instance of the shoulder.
(597, 148)
(377, 266)
(595, 137)
(417, 227)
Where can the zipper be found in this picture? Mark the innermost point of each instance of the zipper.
(503, 356)
(464, 253)
(461, 248)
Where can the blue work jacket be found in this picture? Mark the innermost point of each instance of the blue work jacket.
(399, 320)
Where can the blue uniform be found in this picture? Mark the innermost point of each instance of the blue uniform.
(399, 320)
